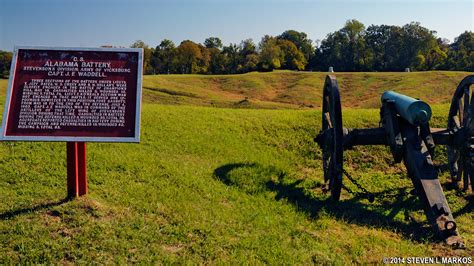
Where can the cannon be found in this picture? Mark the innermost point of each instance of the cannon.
(404, 127)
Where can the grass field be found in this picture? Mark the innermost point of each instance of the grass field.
(286, 89)
(225, 185)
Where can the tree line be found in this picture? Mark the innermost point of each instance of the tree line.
(354, 47)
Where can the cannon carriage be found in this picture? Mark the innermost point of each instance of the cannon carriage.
(404, 127)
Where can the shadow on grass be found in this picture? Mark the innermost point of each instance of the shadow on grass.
(14, 213)
(466, 209)
(223, 171)
(380, 214)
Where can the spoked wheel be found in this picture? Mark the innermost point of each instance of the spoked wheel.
(461, 122)
(330, 138)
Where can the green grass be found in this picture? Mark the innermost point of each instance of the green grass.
(215, 185)
(286, 89)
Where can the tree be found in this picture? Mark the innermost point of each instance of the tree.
(139, 44)
(188, 57)
(231, 52)
(381, 48)
(417, 41)
(164, 57)
(204, 61)
(461, 52)
(147, 53)
(213, 42)
(293, 58)
(351, 48)
(271, 56)
(218, 61)
(383, 43)
(331, 52)
(345, 49)
(300, 39)
(248, 55)
(435, 57)
(5, 62)
(247, 47)
(354, 32)
(250, 63)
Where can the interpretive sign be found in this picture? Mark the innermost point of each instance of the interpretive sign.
(74, 94)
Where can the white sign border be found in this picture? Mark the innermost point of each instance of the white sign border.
(135, 138)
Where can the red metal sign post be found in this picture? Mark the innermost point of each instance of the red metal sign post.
(76, 169)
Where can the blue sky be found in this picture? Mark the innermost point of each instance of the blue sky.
(91, 23)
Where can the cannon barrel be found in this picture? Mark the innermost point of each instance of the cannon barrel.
(416, 112)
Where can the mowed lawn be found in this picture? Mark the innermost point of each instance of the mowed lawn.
(211, 185)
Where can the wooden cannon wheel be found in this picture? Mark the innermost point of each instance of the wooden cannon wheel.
(331, 139)
(461, 122)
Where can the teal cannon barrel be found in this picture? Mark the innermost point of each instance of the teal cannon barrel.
(416, 112)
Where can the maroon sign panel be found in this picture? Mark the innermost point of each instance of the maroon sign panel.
(74, 94)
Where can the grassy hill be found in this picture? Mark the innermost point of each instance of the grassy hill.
(286, 89)
(293, 90)
(219, 185)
